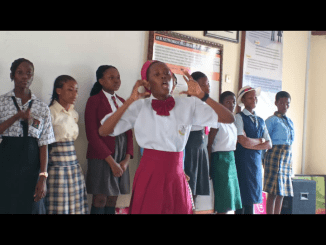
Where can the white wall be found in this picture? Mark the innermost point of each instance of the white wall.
(79, 54)
(75, 53)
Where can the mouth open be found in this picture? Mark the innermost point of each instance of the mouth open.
(165, 84)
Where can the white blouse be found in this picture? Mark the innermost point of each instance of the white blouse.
(226, 138)
(39, 127)
(109, 97)
(165, 133)
(64, 122)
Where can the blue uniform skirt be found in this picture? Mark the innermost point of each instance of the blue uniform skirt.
(278, 171)
(66, 192)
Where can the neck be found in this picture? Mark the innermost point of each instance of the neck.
(161, 97)
(109, 91)
(251, 110)
(281, 113)
(22, 92)
(64, 104)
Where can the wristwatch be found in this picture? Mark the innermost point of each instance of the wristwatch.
(263, 140)
(205, 97)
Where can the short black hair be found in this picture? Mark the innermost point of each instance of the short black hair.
(197, 75)
(282, 94)
(224, 95)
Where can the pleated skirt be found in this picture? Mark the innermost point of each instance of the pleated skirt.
(66, 193)
(196, 162)
(278, 171)
(160, 185)
(225, 182)
(100, 178)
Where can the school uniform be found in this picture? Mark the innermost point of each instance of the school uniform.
(278, 160)
(19, 152)
(223, 170)
(66, 186)
(162, 128)
(248, 162)
(196, 163)
(100, 178)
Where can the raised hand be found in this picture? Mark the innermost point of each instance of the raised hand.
(135, 95)
(193, 87)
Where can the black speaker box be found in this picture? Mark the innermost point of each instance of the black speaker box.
(304, 199)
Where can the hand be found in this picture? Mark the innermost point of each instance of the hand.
(40, 189)
(116, 169)
(187, 177)
(135, 95)
(193, 87)
(124, 164)
(25, 115)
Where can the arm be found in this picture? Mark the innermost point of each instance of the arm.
(91, 127)
(40, 189)
(109, 125)
(211, 137)
(224, 115)
(254, 144)
(21, 114)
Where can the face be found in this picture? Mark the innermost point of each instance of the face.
(204, 84)
(249, 99)
(111, 80)
(24, 75)
(160, 79)
(283, 105)
(229, 102)
(69, 92)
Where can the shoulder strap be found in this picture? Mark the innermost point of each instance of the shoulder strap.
(15, 102)
(23, 123)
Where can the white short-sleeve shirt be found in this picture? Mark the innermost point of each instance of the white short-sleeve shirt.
(165, 133)
(39, 125)
(64, 122)
(226, 138)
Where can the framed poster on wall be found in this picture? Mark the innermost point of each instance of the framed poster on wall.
(261, 63)
(232, 36)
(184, 52)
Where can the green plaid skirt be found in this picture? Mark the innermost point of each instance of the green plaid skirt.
(278, 170)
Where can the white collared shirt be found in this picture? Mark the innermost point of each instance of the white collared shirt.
(226, 138)
(64, 122)
(39, 127)
(109, 96)
(165, 133)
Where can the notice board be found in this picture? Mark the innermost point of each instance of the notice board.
(179, 52)
(261, 66)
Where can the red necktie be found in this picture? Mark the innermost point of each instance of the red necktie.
(115, 102)
(162, 107)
